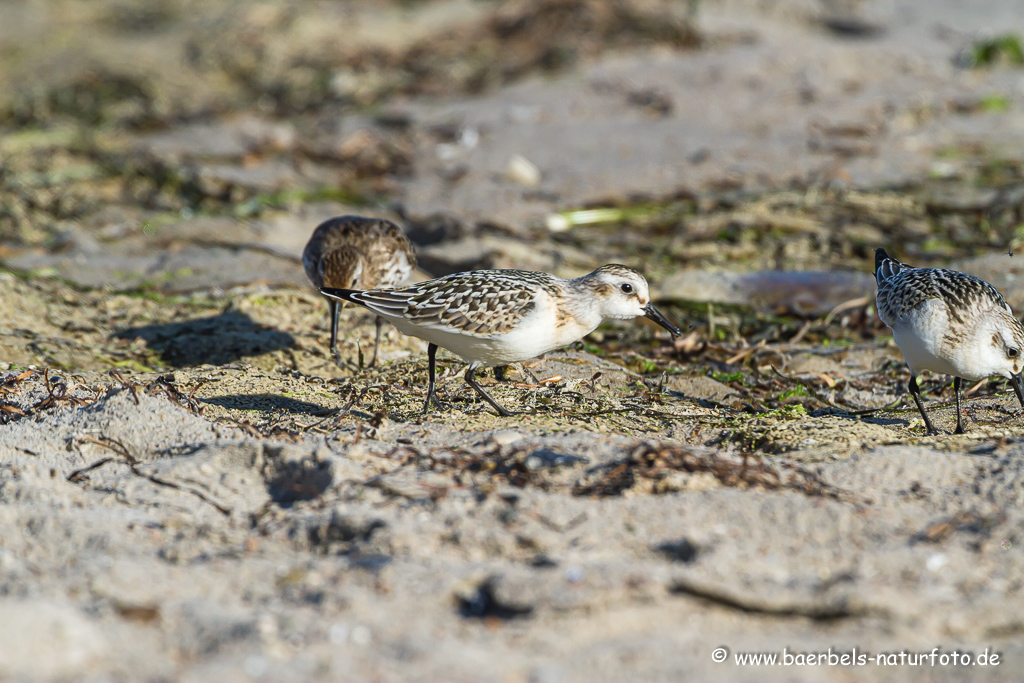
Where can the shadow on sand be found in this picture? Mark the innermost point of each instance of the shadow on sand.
(215, 340)
(265, 403)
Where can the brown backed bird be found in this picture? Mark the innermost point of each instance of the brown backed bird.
(353, 252)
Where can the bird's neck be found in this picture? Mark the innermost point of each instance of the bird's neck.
(577, 309)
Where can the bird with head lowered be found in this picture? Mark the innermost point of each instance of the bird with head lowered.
(361, 253)
(497, 317)
(949, 322)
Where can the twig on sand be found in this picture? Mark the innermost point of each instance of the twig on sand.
(125, 456)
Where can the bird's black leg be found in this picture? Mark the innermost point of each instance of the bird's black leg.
(431, 391)
(376, 343)
(915, 391)
(959, 421)
(334, 308)
(471, 381)
(529, 373)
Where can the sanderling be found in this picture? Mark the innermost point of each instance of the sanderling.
(949, 322)
(497, 317)
(359, 253)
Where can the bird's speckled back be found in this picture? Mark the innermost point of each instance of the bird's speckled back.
(902, 288)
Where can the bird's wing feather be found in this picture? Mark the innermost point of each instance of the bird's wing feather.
(908, 288)
(481, 304)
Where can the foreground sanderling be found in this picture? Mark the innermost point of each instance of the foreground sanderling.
(497, 317)
(357, 253)
(949, 322)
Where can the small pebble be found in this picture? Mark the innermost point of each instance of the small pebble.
(556, 222)
(361, 635)
(506, 437)
(522, 171)
(256, 666)
(338, 634)
(936, 562)
(469, 138)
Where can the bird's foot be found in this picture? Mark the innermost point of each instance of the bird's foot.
(432, 398)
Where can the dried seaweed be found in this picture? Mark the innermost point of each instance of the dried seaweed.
(968, 521)
(130, 386)
(9, 386)
(523, 38)
(59, 391)
(654, 462)
(125, 456)
(496, 464)
(166, 386)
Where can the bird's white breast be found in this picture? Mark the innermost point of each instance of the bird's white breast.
(920, 337)
(926, 343)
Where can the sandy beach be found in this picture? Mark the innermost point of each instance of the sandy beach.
(193, 490)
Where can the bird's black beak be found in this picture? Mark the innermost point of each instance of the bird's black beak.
(1018, 388)
(654, 314)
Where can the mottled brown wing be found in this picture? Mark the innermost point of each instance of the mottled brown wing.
(480, 303)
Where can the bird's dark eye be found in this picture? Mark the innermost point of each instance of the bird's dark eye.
(1012, 353)
(627, 288)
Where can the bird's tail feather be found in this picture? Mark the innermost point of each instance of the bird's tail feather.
(340, 294)
(886, 266)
